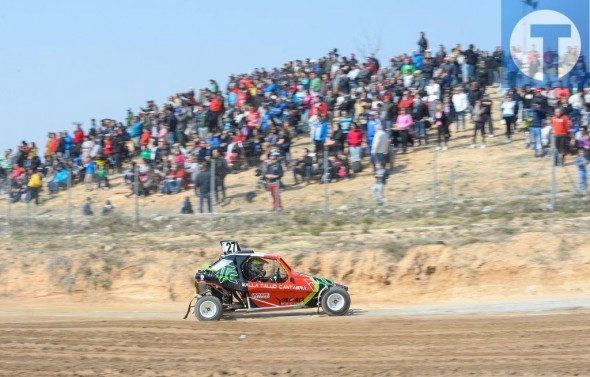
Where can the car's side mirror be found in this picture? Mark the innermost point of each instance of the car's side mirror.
(292, 280)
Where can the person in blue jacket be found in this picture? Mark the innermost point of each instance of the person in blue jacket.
(319, 133)
(371, 124)
(67, 144)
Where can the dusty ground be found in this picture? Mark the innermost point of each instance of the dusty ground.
(299, 344)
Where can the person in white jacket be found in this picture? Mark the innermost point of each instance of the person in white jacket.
(380, 146)
(461, 103)
(433, 92)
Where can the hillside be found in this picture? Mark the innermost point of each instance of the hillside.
(496, 241)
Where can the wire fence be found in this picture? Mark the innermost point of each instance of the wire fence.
(445, 190)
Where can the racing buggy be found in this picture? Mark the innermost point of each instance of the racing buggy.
(249, 281)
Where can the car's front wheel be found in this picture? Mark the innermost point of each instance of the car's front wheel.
(336, 301)
(208, 308)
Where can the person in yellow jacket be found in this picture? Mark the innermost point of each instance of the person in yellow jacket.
(34, 186)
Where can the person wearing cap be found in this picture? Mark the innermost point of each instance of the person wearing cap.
(273, 175)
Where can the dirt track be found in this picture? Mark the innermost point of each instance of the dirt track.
(300, 344)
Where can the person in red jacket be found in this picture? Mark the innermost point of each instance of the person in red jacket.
(145, 137)
(355, 141)
(406, 102)
(108, 150)
(78, 135)
(215, 112)
(561, 128)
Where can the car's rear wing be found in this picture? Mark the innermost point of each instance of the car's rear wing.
(230, 247)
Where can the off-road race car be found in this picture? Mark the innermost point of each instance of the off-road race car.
(248, 281)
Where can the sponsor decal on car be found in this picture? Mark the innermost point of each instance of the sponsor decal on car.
(261, 295)
(289, 300)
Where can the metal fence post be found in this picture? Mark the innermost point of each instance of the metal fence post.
(277, 194)
(9, 206)
(28, 218)
(434, 179)
(212, 189)
(326, 188)
(553, 182)
(452, 189)
(136, 189)
(69, 198)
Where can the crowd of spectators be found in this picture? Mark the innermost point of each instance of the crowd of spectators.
(355, 112)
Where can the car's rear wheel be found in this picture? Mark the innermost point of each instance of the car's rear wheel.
(208, 308)
(336, 301)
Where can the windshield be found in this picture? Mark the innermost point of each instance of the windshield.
(220, 264)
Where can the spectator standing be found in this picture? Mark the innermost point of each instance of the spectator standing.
(355, 141)
(488, 104)
(203, 186)
(561, 127)
(441, 122)
(90, 167)
(537, 123)
(461, 103)
(419, 113)
(404, 123)
(433, 92)
(422, 43)
(380, 146)
(480, 118)
(372, 125)
(508, 107)
(273, 176)
(319, 133)
(34, 185)
(221, 170)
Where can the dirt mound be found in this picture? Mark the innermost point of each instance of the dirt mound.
(146, 270)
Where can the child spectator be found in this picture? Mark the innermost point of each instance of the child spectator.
(103, 177)
(108, 208)
(87, 209)
(187, 207)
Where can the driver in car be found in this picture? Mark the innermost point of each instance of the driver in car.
(256, 270)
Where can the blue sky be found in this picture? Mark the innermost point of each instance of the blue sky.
(64, 60)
